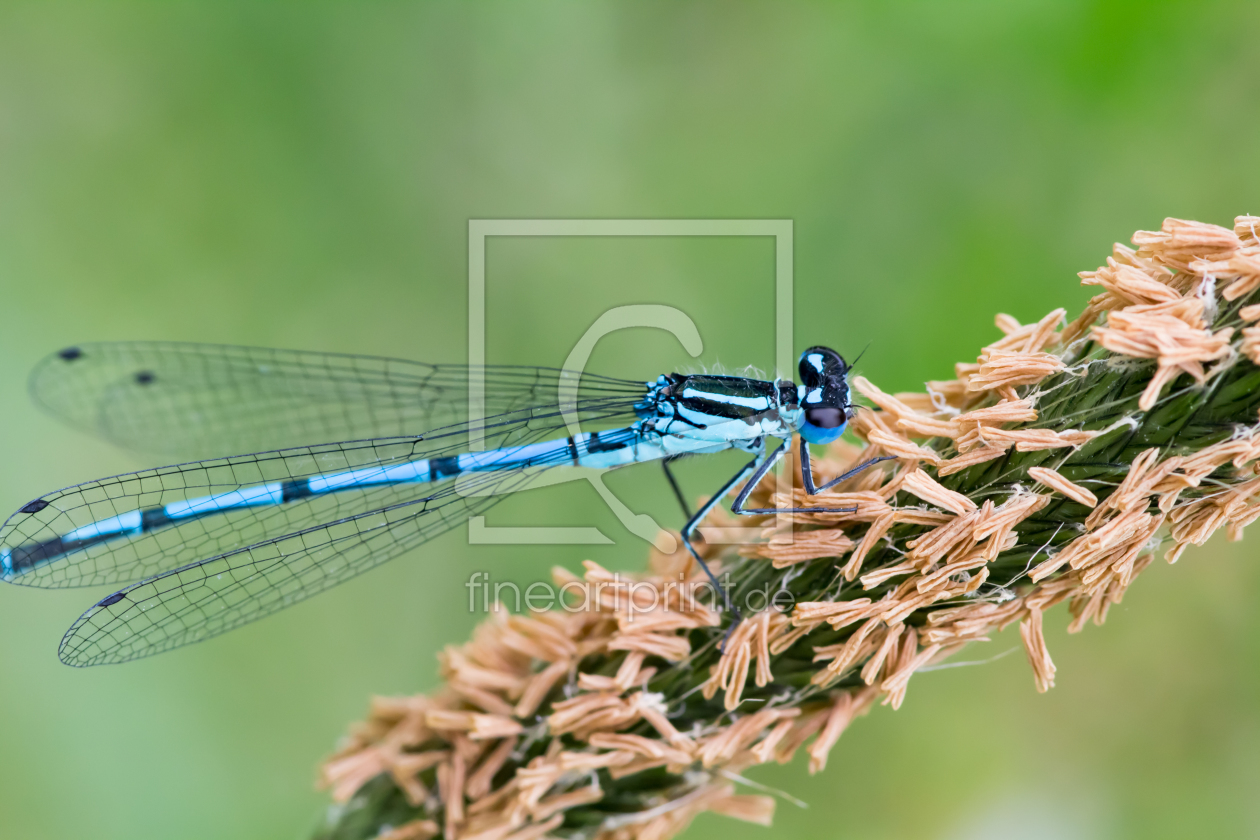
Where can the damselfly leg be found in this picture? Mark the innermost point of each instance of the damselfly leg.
(759, 468)
(704, 511)
(673, 484)
(807, 476)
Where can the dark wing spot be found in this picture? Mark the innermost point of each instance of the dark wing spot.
(34, 507)
(71, 353)
(144, 377)
(112, 599)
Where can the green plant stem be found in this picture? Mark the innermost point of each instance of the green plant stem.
(1098, 391)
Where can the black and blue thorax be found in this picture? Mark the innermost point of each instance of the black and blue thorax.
(734, 409)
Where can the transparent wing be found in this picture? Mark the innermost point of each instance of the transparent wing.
(133, 526)
(212, 596)
(196, 400)
(231, 540)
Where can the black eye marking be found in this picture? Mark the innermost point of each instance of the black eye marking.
(34, 507)
(71, 353)
(144, 377)
(111, 600)
(819, 365)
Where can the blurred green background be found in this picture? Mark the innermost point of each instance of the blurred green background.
(302, 175)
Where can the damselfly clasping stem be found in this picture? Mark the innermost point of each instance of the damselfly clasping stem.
(1052, 469)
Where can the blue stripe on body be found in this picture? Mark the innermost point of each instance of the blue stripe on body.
(414, 471)
(598, 450)
(419, 472)
(640, 449)
(512, 456)
(126, 523)
(245, 497)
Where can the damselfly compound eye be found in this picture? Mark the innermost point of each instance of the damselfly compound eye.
(819, 365)
(823, 425)
(825, 418)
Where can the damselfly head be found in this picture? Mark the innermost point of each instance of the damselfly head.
(825, 394)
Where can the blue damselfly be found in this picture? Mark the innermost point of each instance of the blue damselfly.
(209, 545)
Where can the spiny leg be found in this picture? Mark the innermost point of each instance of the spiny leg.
(759, 467)
(807, 472)
(695, 521)
(673, 483)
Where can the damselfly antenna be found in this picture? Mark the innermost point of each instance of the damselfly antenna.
(853, 364)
